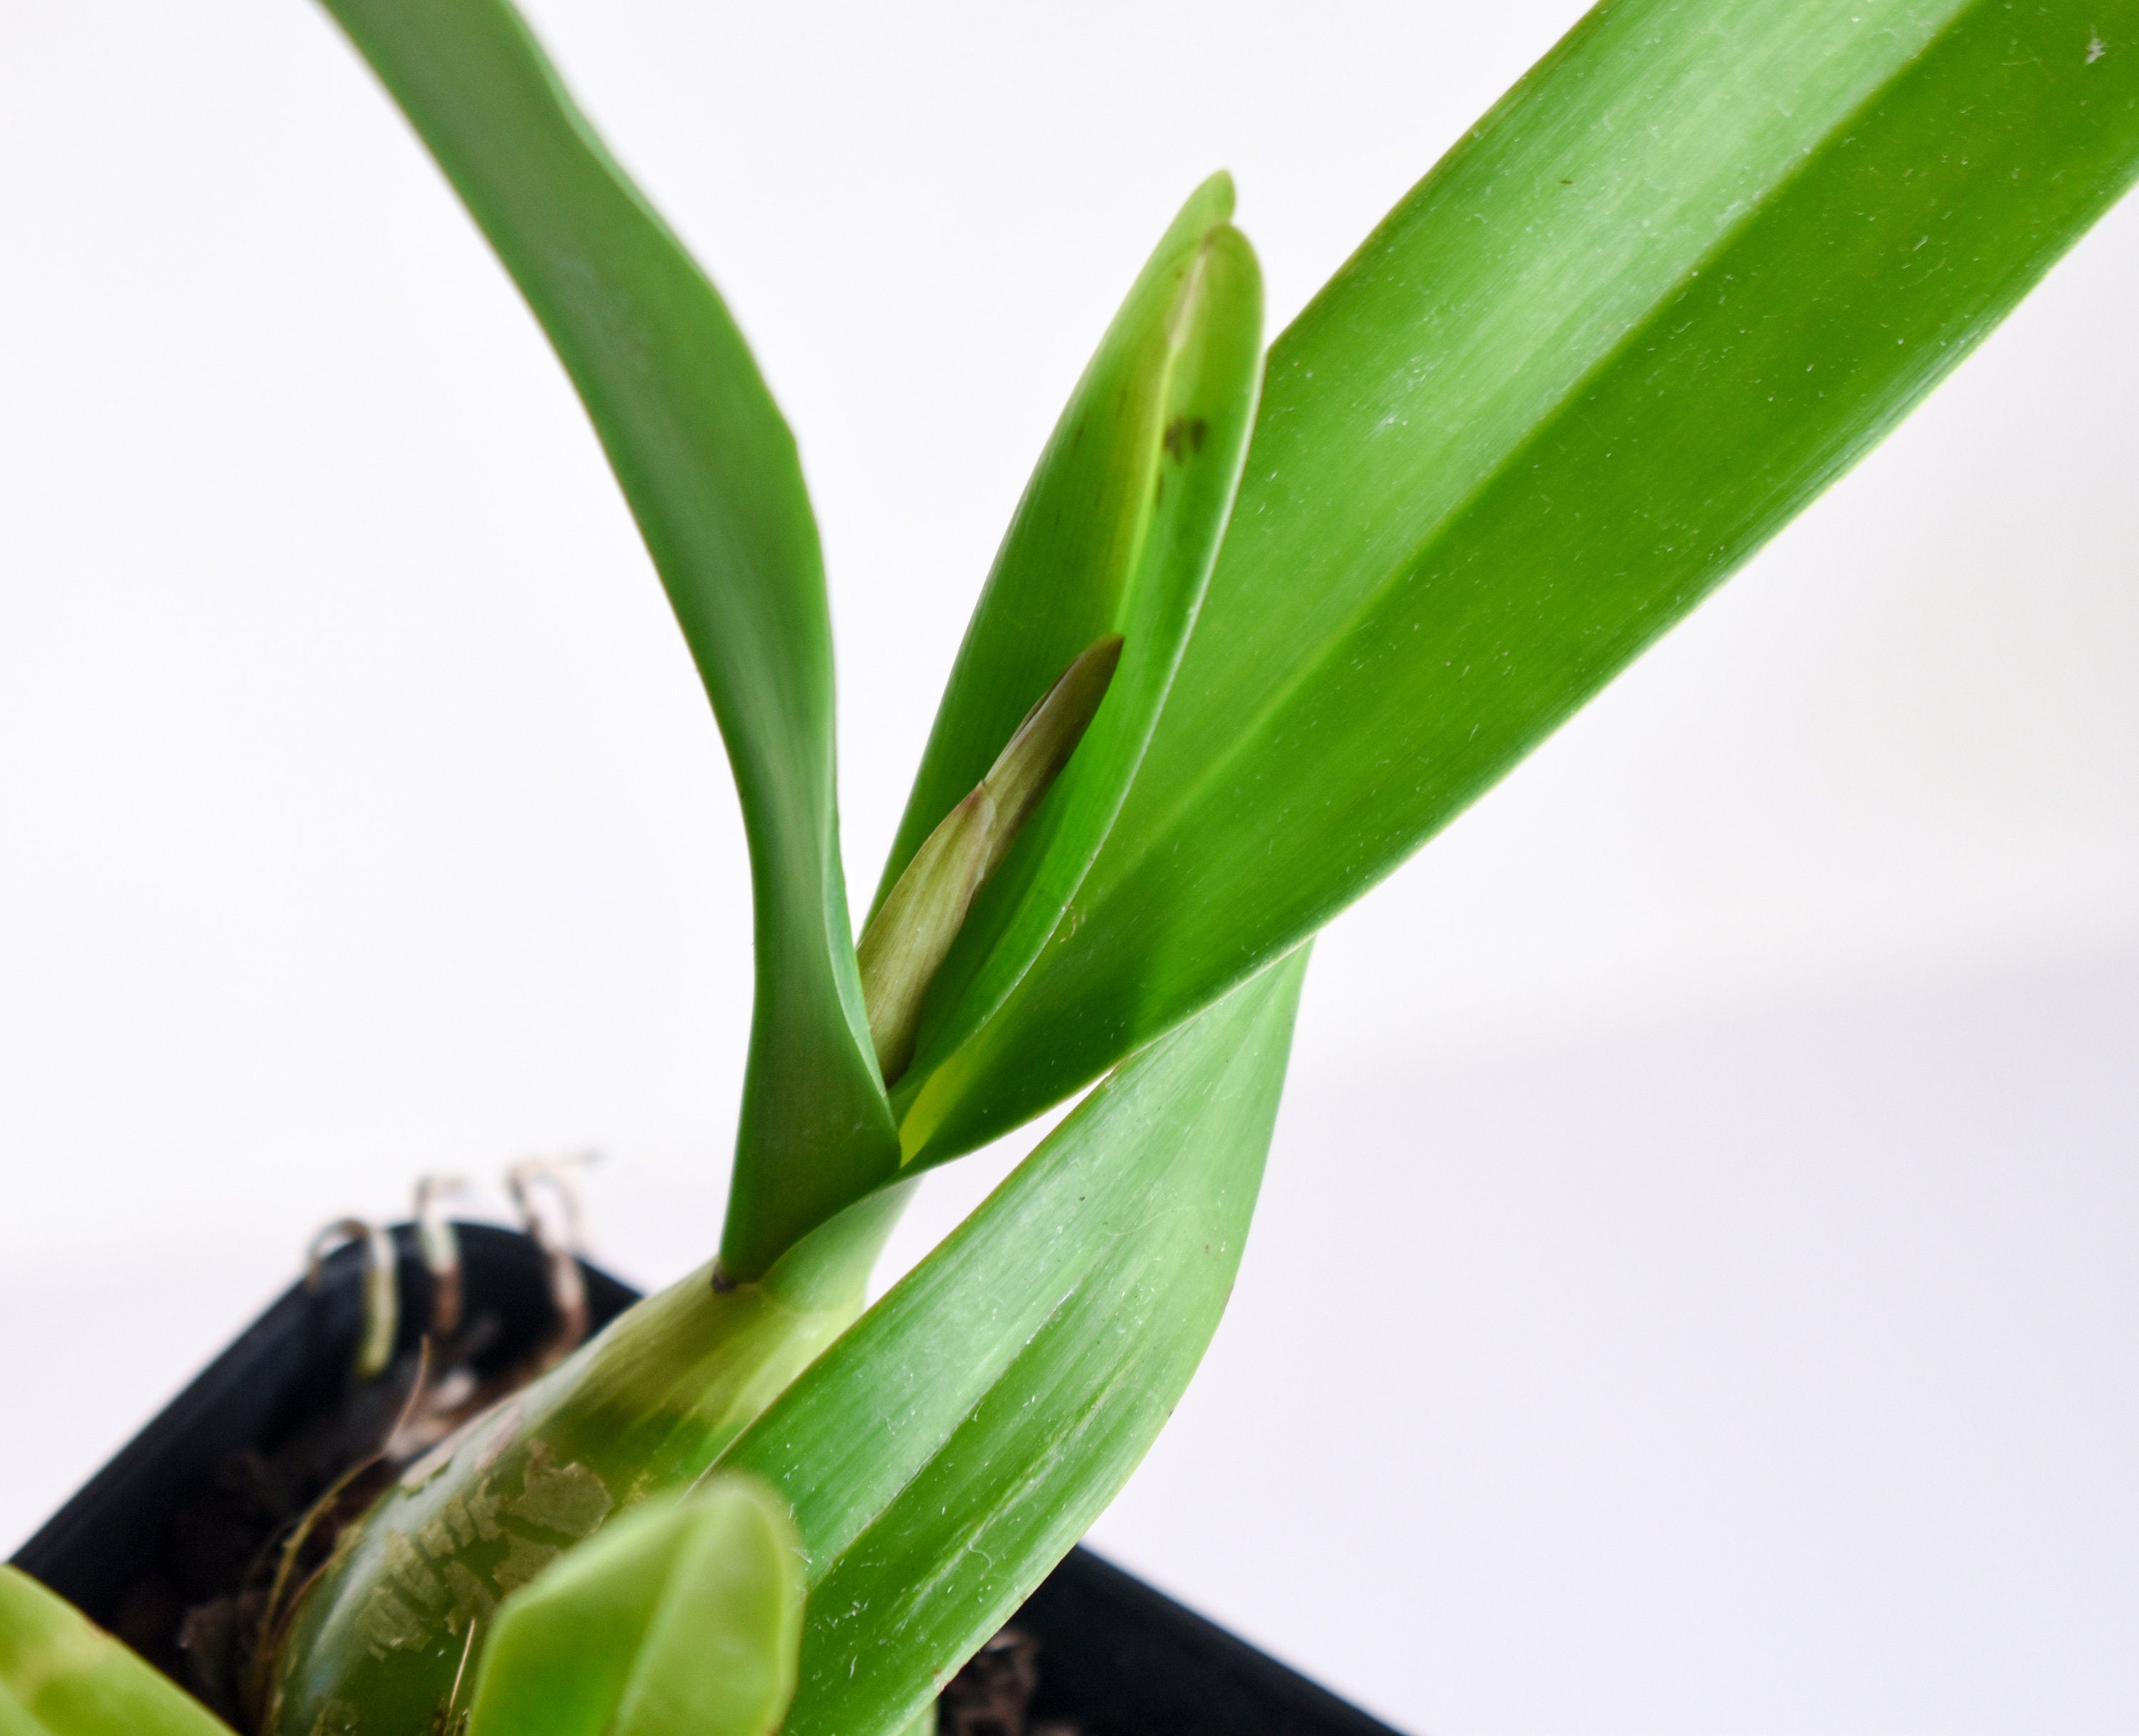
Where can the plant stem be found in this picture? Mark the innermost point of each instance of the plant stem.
(645, 1407)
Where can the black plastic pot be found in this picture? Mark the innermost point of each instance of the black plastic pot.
(1114, 1657)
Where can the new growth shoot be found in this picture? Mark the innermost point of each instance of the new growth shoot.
(905, 944)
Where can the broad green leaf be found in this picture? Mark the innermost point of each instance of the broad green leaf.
(61, 1675)
(947, 1452)
(711, 473)
(685, 1615)
(1685, 274)
(1116, 534)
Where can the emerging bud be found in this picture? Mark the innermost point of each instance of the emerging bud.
(905, 945)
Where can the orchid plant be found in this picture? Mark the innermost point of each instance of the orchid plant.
(1263, 623)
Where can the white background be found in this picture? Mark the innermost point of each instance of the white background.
(1697, 1287)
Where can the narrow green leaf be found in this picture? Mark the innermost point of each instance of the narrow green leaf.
(947, 1452)
(59, 1676)
(1116, 534)
(907, 939)
(684, 1615)
(1688, 271)
(711, 473)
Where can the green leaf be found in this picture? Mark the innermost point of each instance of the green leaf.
(711, 473)
(61, 1675)
(948, 1451)
(685, 1615)
(1116, 534)
(1688, 271)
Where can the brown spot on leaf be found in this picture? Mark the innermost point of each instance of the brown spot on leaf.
(1185, 434)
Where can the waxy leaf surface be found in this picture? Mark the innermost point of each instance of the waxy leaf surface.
(711, 473)
(1116, 534)
(1681, 276)
(945, 1454)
